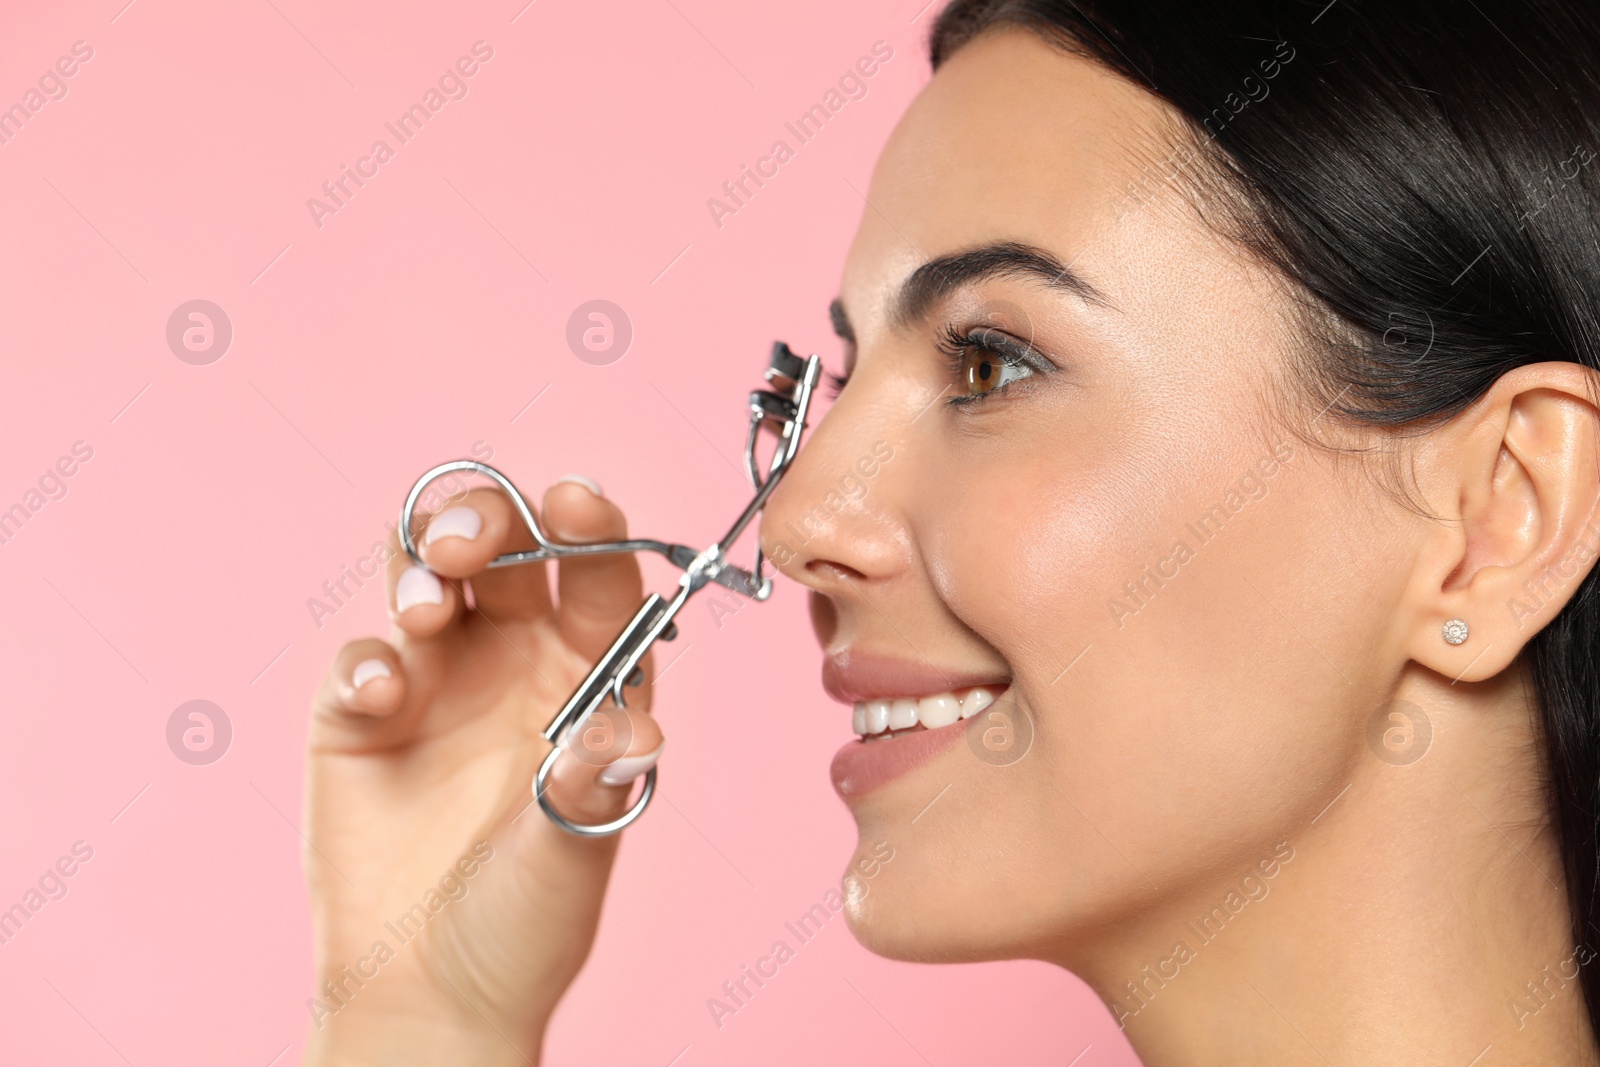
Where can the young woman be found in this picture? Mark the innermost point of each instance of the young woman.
(1238, 363)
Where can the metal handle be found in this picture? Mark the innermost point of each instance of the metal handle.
(732, 577)
(589, 829)
(782, 410)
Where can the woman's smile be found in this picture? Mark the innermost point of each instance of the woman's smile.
(904, 713)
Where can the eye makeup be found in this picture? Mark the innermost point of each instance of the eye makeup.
(984, 360)
(981, 360)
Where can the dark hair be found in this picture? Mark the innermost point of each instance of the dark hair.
(1421, 174)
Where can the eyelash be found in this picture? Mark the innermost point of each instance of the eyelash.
(955, 346)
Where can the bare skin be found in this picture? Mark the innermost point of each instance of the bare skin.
(425, 775)
(1215, 745)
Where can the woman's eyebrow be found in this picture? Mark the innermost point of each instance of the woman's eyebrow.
(939, 277)
(841, 321)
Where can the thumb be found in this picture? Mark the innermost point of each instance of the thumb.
(524, 933)
(602, 756)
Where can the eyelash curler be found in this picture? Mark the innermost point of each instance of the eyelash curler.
(780, 409)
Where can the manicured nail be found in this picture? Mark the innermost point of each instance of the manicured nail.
(417, 586)
(628, 768)
(454, 522)
(367, 670)
(588, 483)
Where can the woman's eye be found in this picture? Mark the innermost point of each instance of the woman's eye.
(983, 371)
(984, 361)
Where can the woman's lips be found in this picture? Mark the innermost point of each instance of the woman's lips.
(875, 760)
(907, 696)
(863, 765)
(849, 676)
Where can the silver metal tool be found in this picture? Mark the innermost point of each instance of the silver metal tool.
(780, 409)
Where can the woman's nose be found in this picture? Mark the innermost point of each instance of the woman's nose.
(834, 517)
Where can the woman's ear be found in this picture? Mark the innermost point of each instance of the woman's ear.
(1516, 479)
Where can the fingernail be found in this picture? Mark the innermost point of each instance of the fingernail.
(454, 522)
(588, 483)
(367, 670)
(417, 586)
(628, 768)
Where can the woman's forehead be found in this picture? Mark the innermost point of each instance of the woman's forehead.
(1012, 140)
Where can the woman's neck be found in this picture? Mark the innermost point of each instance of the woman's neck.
(1421, 917)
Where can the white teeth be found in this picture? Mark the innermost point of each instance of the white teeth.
(977, 699)
(877, 716)
(902, 714)
(871, 717)
(939, 710)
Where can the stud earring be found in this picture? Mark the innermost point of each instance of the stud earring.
(1454, 632)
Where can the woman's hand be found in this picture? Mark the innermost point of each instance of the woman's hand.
(450, 913)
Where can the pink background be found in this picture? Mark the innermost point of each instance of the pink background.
(410, 325)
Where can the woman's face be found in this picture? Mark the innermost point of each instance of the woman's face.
(1108, 518)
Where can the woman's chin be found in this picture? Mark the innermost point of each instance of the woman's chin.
(882, 935)
(899, 922)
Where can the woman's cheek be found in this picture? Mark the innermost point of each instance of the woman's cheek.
(1029, 555)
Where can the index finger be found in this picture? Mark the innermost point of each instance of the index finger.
(597, 595)
(467, 534)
